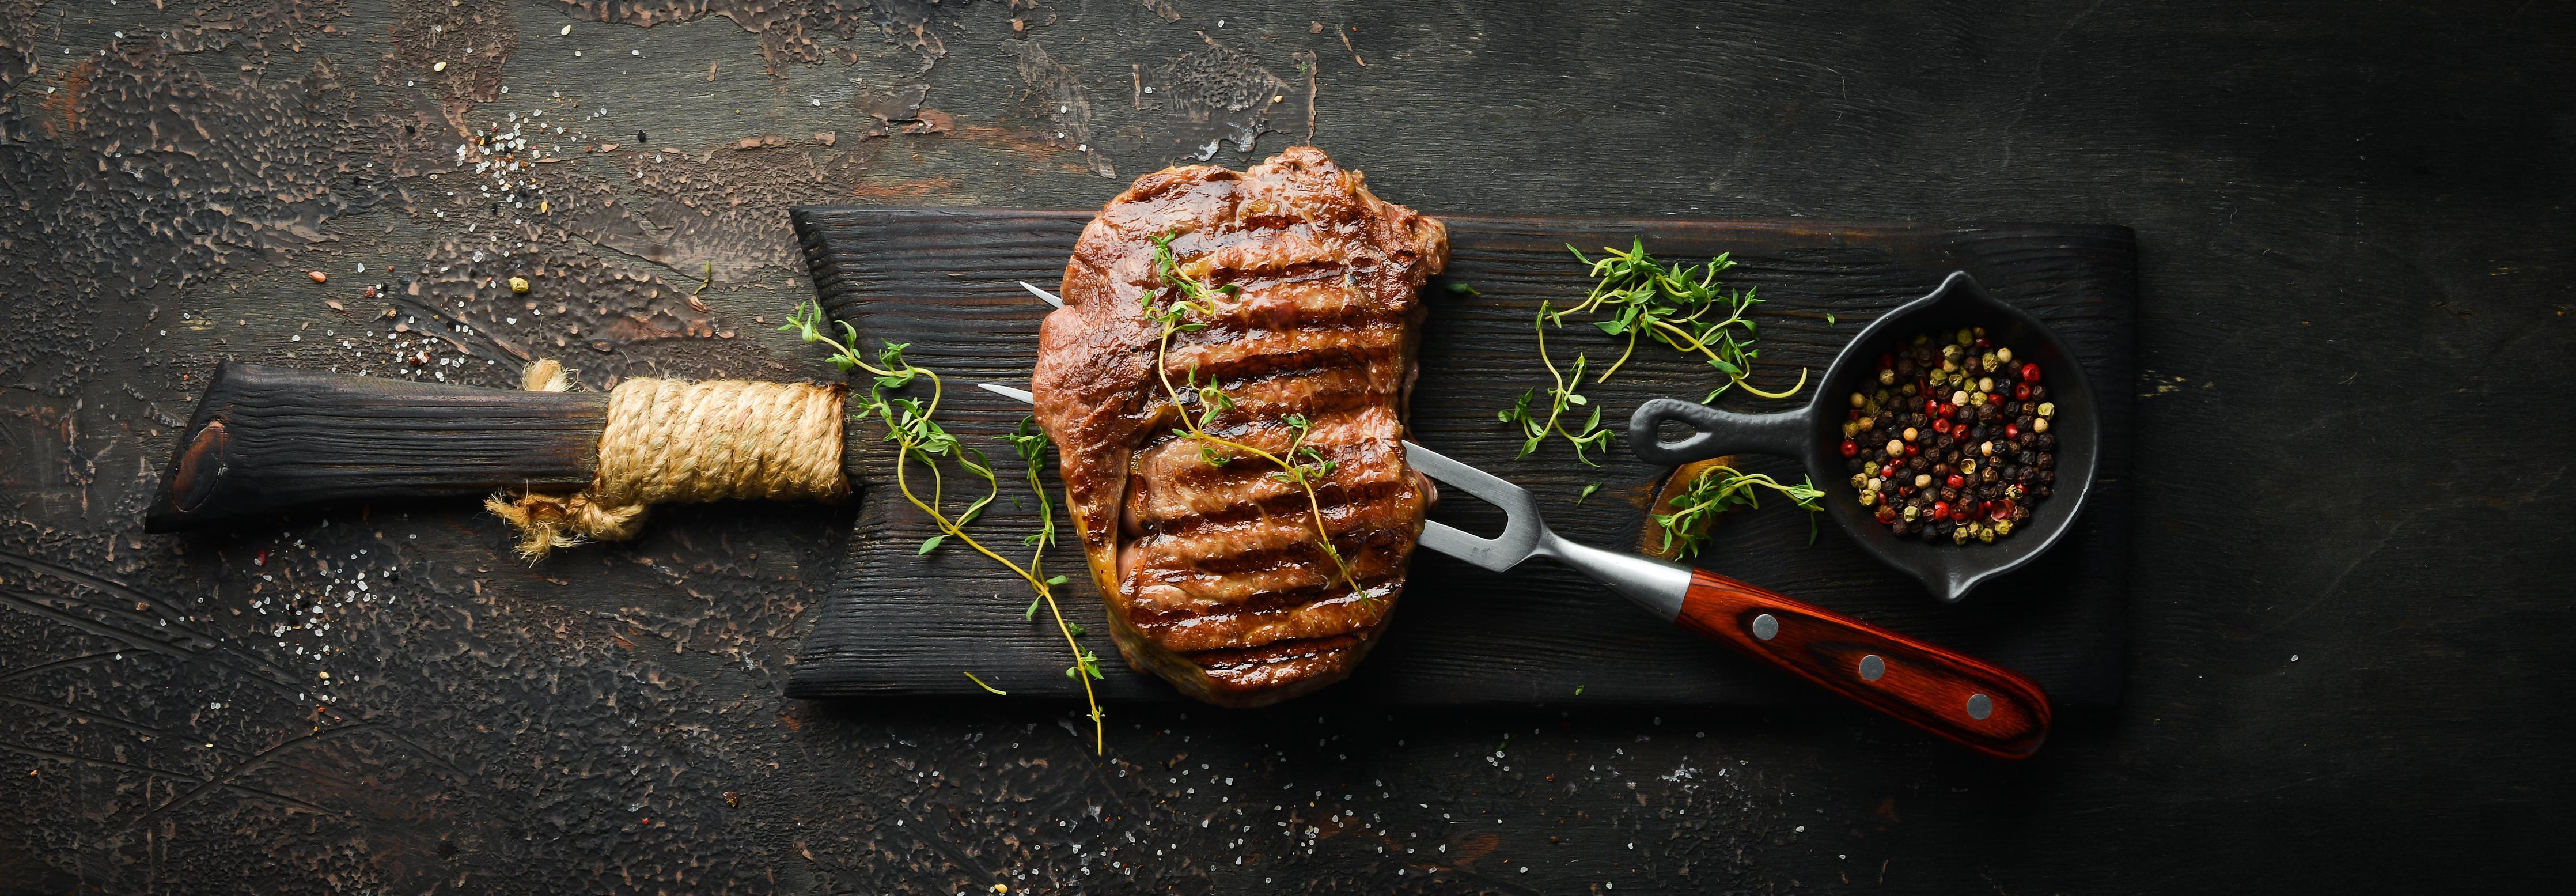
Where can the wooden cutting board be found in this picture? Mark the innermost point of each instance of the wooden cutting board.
(944, 281)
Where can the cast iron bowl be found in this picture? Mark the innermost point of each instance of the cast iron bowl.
(1813, 435)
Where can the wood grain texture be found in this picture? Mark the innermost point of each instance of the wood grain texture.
(267, 439)
(1957, 698)
(945, 282)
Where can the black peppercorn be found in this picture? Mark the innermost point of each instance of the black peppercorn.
(2047, 460)
(2025, 457)
(2046, 441)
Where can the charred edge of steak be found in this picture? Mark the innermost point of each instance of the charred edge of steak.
(1249, 677)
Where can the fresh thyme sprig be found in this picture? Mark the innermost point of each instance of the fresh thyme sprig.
(1672, 305)
(1185, 296)
(1716, 489)
(912, 425)
(1640, 297)
(1589, 437)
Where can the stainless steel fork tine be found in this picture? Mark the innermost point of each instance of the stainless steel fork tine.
(1523, 527)
(1476, 482)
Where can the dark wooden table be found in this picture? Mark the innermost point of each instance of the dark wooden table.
(2348, 665)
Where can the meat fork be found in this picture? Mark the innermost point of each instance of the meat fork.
(1959, 698)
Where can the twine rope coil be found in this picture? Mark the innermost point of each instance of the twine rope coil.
(679, 441)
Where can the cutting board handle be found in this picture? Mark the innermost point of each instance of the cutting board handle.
(269, 439)
(1960, 698)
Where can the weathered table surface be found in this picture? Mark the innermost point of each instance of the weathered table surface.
(2347, 650)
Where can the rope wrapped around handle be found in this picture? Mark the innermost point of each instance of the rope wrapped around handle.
(680, 441)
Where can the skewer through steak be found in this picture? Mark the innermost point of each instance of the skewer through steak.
(1214, 574)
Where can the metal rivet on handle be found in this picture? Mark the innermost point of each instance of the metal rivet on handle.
(1871, 667)
(1979, 706)
(1766, 627)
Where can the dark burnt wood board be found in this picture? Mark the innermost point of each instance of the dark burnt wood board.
(899, 625)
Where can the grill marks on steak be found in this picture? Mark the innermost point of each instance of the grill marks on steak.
(1214, 577)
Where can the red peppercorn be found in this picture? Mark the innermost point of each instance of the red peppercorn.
(1851, 448)
(1941, 509)
(2021, 391)
(2030, 372)
(1855, 414)
(2012, 431)
(1913, 448)
(1995, 398)
(1983, 343)
(1931, 407)
(1956, 481)
(2003, 509)
(1886, 360)
(1948, 410)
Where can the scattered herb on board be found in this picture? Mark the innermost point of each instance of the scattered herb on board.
(1716, 489)
(1535, 429)
(1635, 296)
(1587, 492)
(1302, 466)
(1673, 305)
(919, 440)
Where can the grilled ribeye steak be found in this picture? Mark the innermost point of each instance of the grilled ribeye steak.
(1214, 574)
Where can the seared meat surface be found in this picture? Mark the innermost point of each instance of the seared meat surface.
(1215, 576)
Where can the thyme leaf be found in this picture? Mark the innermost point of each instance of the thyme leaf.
(1635, 297)
(1716, 489)
(912, 424)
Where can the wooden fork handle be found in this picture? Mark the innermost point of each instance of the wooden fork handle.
(1959, 698)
